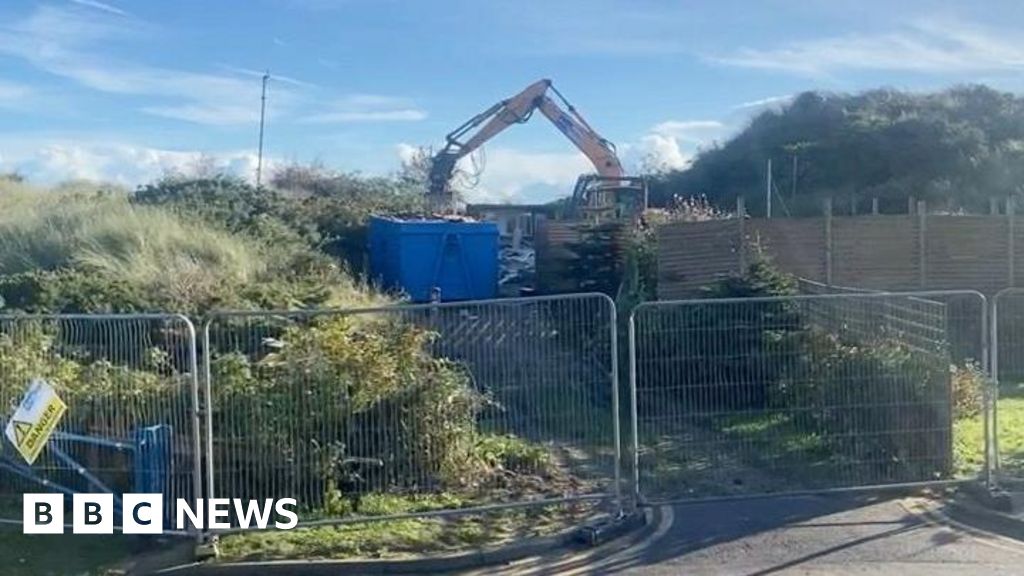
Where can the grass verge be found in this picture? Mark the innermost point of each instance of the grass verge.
(969, 435)
(405, 538)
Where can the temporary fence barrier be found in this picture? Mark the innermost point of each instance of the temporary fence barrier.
(447, 408)
(743, 397)
(131, 425)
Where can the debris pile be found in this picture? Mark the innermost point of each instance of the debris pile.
(517, 268)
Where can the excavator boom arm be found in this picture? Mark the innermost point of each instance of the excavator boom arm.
(598, 150)
(517, 110)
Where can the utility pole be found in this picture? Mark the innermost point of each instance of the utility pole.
(768, 191)
(263, 115)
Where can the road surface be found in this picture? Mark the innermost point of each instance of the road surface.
(814, 535)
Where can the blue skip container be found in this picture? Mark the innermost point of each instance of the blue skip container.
(415, 256)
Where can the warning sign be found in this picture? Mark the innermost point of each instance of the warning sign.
(34, 420)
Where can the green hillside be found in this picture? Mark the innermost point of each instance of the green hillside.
(954, 149)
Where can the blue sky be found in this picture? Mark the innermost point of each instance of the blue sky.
(127, 90)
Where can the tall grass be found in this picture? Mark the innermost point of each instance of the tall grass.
(179, 261)
(48, 231)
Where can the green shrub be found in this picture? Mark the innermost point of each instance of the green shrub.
(968, 383)
(881, 406)
(234, 205)
(343, 407)
(717, 361)
(512, 454)
(339, 206)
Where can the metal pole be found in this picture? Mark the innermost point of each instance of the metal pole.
(768, 190)
(1011, 215)
(616, 413)
(263, 115)
(795, 158)
(828, 241)
(993, 390)
(634, 425)
(989, 400)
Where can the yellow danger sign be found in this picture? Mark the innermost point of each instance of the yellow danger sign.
(35, 419)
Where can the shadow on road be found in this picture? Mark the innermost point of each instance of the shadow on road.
(713, 536)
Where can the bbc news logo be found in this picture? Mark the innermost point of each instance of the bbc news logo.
(144, 514)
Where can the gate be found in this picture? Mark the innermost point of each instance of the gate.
(754, 396)
(438, 408)
(131, 388)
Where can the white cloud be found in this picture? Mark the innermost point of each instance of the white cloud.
(660, 152)
(670, 145)
(273, 77)
(695, 131)
(510, 173)
(367, 108)
(49, 161)
(208, 114)
(71, 44)
(101, 6)
(925, 46)
(516, 176)
(65, 44)
(764, 102)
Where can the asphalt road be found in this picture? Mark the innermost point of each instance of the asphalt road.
(842, 535)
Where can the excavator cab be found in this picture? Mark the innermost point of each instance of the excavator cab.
(601, 198)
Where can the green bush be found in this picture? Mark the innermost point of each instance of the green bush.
(512, 454)
(969, 384)
(234, 205)
(345, 407)
(719, 354)
(338, 206)
(340, 414)
(882, 407)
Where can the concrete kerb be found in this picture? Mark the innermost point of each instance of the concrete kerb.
(991, 510)
(588, 537)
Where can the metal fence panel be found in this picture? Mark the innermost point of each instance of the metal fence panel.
(492, 403)
(744, 397)
(1008, 372)
(131, 387)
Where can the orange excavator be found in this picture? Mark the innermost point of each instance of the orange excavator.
(607, 194)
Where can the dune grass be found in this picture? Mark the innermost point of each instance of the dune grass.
(47, 231)
(178, 262)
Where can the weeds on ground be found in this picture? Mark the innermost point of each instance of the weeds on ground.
(406, 537)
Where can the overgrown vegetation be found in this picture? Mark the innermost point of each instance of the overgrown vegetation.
(354, 417)
(191, 244)
(398, 419)
(954, 149)
(873, 406)
(350, 418)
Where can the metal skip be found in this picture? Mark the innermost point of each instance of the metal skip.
(35, 419)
